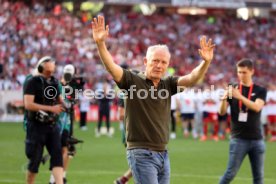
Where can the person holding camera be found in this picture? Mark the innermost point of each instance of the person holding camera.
(65, 121)
(246, 101)
(64, 124)
(42, 100)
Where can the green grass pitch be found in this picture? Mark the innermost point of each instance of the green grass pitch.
(101, 160)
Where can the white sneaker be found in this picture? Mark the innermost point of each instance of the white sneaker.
(110, 132)
(97, 134)
(173, 135)
(84, 128)
(195, 135)
(121, 126)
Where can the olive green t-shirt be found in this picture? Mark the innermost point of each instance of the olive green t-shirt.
(147, 110)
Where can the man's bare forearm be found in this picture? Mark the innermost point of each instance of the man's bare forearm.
(31, 106)
(251, 105)
(199, 71)
(195, 75)
(115, 70)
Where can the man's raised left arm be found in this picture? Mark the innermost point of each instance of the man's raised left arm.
(206, 52)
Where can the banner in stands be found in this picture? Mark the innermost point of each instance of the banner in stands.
(168, 2)
(201, 3)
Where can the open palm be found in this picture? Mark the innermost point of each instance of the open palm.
(206, 50)
(100, 31)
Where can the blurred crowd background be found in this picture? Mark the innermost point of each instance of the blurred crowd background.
(31, 29)
(28, 32)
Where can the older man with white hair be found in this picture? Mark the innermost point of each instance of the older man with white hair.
(147, 104)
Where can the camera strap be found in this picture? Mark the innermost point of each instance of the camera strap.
(43, 88)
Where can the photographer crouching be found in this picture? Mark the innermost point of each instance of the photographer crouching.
(43, 101)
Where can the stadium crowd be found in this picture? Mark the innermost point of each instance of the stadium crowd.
(27, 33)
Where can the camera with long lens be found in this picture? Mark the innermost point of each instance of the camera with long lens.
(76, 84)
(71, 150)
(71, 78)
(67, 106)
(71, 145)
(44, 117)
(73, 82)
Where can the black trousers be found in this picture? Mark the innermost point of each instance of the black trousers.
(39, 136)
(83, 119)
(104, 113)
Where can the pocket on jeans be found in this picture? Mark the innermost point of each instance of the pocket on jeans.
(233, 146)
(142, 153)
(260, 147)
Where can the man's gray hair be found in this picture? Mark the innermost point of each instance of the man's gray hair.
(152, 48)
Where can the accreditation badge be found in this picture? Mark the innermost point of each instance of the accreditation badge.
(243, 116)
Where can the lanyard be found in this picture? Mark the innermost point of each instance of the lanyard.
(249, 95)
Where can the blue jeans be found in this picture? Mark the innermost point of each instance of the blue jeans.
(239, 148)
(149, 167)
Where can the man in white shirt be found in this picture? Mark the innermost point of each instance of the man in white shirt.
(271, 111)
(187, 109)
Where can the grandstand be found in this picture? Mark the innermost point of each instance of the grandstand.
(31, 29)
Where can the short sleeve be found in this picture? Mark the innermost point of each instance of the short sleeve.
(262, 94)
(31, 86)
(173, 84)
(126, 80)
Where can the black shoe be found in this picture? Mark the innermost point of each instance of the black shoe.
(64, 181)
(73, 140)
(118, 181)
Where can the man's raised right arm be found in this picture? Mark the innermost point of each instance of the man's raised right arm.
(100, 33)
